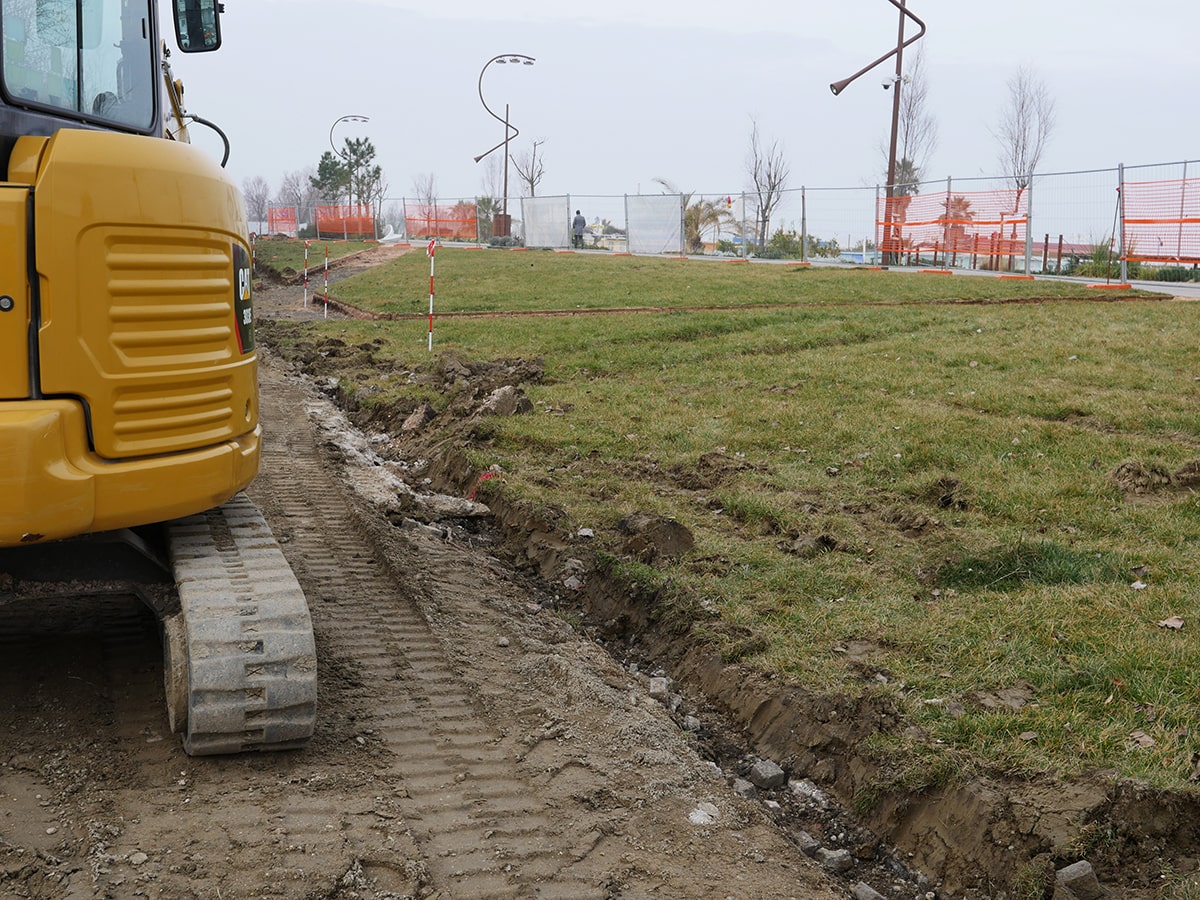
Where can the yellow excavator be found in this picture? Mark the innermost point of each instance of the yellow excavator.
(128, 375)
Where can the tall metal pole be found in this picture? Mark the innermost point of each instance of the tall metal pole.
(510, 132)
(890, 204)
(505, 207)
(838, 86)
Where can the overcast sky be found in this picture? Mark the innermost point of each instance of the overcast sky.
(627, 91)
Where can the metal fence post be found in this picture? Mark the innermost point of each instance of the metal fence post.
(745, 251)
(1182, 211)
(804, 225)
(1029, 229)
(875, 218)
(1121, 213)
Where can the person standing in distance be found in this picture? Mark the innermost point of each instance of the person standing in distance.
(578, 224)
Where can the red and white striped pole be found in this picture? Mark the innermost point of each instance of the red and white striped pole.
(429, 251)
(327, 281)
(306, 244)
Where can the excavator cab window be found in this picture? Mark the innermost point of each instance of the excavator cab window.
(198, 25)
(88, 59)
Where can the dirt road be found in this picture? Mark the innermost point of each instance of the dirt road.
(469, 743)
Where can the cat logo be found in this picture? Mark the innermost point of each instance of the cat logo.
(243, 306)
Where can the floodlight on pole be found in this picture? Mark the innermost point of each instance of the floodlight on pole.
(898, 51)
(510, 130)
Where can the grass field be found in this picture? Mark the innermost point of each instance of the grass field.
(898, 483)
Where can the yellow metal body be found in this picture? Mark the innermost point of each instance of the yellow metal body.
(128, 386)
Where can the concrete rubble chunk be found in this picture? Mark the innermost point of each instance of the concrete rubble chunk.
(1078, 882)
(744, 789)
(836, 861)
(660, 688)
(506, 401)
(767, 775)
(863, 891)
(808, 844)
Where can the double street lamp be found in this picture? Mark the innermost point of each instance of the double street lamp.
(503, 224)
(338, 122)
(355, 177)
(894, 83)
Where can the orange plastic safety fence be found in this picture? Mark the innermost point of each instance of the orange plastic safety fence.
(281, 219)
(954, 224)
(458, 222)
(1162, 220)
(347, 220)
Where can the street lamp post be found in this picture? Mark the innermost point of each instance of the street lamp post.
(354, 175)
(894, 83)
(503, 225)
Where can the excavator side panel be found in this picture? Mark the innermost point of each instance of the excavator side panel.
(14, 294)
(144, 285)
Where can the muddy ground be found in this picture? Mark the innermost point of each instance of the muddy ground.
(498, 718)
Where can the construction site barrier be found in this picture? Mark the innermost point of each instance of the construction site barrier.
(347, 221)
(1162, 220)
(431, 220)
(983, 228)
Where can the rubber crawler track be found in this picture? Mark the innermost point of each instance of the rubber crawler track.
(430, 724)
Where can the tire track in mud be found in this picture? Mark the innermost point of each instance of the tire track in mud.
(481, 830)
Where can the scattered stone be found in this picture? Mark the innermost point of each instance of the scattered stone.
(419, 418)
(660, 688)
(585, 533)
(767, 775)
(138, 859)
(573, 583)
(806, 790)
(863, 891)
(1078, 882)
(506, 401)
(704, 814)
(836, 861)
(503, 642)
(808, 844)
(744, 789)
(691, 723)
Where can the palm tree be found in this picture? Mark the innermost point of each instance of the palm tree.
(956, 216)
(698, 217)
(486, 209)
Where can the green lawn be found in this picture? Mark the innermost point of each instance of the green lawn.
(911, 464)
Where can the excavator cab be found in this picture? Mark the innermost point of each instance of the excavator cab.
(128, 372)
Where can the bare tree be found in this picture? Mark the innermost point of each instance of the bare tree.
(425, 189)
(492, 179)
(1026, 124)
(768, 171)
(916, 129)
(257, 194)
(296, 189)
(530, 169)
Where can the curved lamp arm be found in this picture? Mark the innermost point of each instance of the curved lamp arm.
(336, 123)
(838, 86)
(511, 131)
